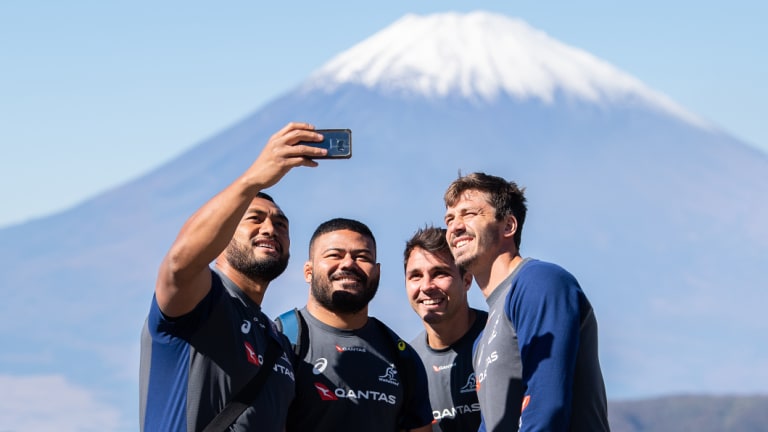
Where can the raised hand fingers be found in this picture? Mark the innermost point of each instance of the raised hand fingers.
(283, 152)
(293, 135)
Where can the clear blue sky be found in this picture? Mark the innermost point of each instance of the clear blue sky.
(94, 93)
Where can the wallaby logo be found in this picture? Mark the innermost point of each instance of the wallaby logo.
(389, 376)
(469, 387)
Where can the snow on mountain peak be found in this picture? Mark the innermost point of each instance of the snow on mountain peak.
(478, 56)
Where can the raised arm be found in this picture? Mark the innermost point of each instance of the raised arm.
(184, 277)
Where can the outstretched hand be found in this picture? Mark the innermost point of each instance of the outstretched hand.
(283, 152)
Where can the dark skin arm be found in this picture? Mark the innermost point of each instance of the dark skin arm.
(184, 277)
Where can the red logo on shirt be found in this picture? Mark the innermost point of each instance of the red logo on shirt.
(251, 354)
(324, 392)
(526, 401)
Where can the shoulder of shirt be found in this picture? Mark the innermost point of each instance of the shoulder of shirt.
(543, 271)
(419, 340)
(540, 279)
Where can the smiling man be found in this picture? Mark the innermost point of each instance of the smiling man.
(353, 373)
(206, 337)
(437, 291)
(536, 362)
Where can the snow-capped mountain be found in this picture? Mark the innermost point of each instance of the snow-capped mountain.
(660, 216)
(479, 56)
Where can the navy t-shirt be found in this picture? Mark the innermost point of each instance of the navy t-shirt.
(348, 380)
(191, 366)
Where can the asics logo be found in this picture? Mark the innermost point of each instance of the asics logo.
(320, 365)
(246, 327)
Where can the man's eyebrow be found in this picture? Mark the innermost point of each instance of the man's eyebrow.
(259, 212)
(281, 216)
(343, 249)
(442, 268)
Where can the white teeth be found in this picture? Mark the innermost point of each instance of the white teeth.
(266, 245)
(461, 243)
(346, 280)
(430, 302)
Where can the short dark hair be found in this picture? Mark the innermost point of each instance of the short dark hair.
(338, 224)
(504, 196)
(266, 197)
(432, 240)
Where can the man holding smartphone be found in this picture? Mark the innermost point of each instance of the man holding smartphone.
(206, 337)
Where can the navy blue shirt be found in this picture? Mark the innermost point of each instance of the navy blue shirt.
(191, 366)
(536, 362)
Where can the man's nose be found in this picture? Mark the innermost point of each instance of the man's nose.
(428, 285)
(347, 261)
(267, 227)
(456, 225)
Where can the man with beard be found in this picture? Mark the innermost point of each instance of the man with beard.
(353, 372)
(536, 362)
(437, 290)
(206, 337)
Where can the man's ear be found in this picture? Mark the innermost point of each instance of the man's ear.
(308, 271)
(510, 226)
(467, 280)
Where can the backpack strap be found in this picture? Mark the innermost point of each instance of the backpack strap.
(288, 324)
(245, 397)
(292, 325)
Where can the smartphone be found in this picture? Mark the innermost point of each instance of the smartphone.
(338, 142)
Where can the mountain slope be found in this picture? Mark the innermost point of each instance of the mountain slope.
(660, 217)
(691, 413)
